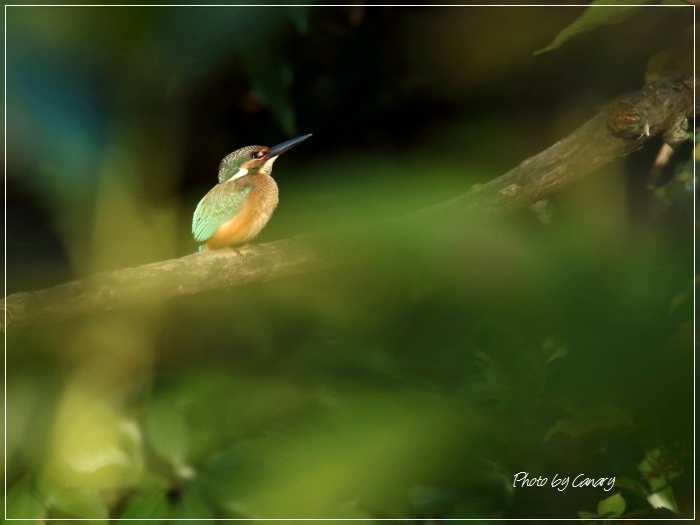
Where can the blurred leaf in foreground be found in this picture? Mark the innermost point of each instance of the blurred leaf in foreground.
(365, 459)
(166, 432)
(599, 13)
(612, 507)
(147, 506)
(23, 503)
(585, 421)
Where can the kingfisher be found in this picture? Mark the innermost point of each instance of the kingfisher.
(239, 206)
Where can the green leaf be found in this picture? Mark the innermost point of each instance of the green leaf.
(612, 507)
(663, 500)
(645, 467)
(79, 503)
(595, 16)
(147, 506)
(166, 432)
(192, 506)
(429, 500)
(658, 483)
(586, 515)
(226, 474)
(586, 421)
(21, 502)
(631, 485)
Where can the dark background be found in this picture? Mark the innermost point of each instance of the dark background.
(558, 342)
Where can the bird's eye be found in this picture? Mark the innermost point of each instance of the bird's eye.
(255, 155)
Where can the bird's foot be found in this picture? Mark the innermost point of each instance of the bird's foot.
(237, 251)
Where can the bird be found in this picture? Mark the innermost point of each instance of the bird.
(240, 205)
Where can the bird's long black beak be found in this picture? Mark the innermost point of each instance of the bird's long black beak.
(281, 148)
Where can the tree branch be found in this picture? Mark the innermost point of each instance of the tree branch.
(624, 126)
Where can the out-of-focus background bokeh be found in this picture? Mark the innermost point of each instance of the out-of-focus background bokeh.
(558, 341)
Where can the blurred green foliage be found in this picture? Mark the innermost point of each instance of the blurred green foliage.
(415, 385)
(599, 13)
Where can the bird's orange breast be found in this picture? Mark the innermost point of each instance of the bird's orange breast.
(252, 217)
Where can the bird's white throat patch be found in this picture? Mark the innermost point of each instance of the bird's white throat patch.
(267, 167)
(241, 173)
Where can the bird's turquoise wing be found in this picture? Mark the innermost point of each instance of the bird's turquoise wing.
(221, 204)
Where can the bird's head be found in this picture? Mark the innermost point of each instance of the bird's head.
(252, 160)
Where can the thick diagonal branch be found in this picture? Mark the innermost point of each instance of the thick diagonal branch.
(628, 122)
